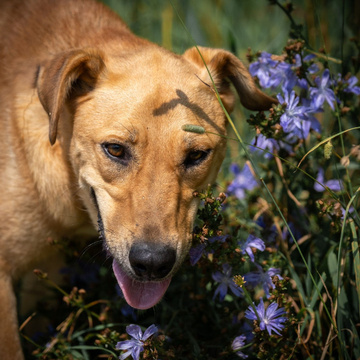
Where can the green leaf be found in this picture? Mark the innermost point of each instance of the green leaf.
(194, 128)
(332, 266)
(83, 352)
(77, 355)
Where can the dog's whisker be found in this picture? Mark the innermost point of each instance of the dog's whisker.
(88, 247)
(108, 257)
(93, 258)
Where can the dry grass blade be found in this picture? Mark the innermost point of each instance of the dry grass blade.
(73, 323)
(328, 342)
(50, 345)
(300, 241)
(26, 321)
(311, 326)
(323, 56)
(302, 343)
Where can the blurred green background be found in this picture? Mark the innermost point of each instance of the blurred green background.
(239, 24)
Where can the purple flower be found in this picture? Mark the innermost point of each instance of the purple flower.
(259, 277)
(313, 68)
(136, 345)
(195, 253)
(311, 109)
(271, 145)
(266, 144)
(334, 185)
(225, 281)
(297, 61)
(302, 83)
(350, 88)
(244, 180)
(294, 119)
(309, 57)
(283, 74)
(272, 319)
(322, 92)
(250, 242)
(262, 69)
(237, 344)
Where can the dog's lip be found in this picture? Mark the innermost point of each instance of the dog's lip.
(140, 294)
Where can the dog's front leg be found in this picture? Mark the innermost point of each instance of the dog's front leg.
(10, 347)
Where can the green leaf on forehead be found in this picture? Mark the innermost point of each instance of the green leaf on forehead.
(194, 128)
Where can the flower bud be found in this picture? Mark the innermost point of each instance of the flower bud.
(328, 150)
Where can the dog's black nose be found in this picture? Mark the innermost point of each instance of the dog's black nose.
(152, 261)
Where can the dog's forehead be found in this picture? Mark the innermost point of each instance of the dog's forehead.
(159, 112)
(161, 94)
(150, 63)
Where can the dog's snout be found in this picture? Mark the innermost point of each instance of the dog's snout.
(150, 261)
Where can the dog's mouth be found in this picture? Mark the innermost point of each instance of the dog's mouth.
(139, 294)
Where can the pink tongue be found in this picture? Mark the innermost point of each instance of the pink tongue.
(140, 295)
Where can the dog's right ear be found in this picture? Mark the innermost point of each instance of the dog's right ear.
(69, 74)
(225, 66)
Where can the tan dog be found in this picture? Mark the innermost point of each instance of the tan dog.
(114, 106)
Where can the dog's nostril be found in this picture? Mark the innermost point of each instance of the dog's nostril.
(139, 269)
(151, 261)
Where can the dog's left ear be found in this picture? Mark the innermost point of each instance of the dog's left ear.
(223, 65)
(66, 76)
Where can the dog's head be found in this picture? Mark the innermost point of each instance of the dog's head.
(121, 119)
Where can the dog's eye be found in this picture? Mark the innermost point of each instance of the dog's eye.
(195, 157)
(115, 150)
